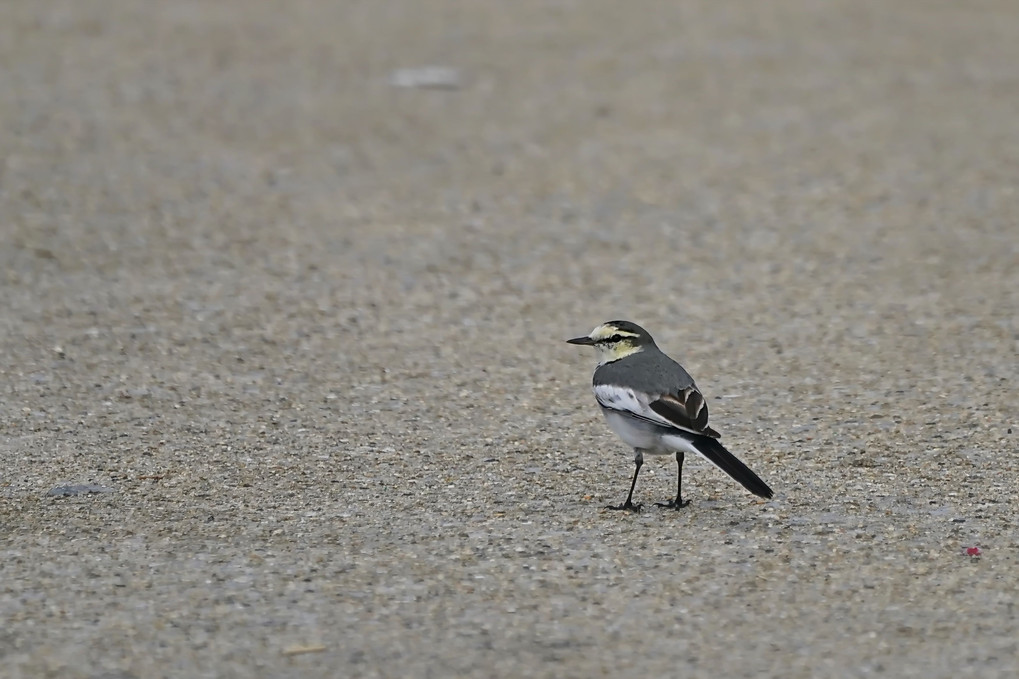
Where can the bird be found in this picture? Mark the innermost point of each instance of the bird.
(652, 403)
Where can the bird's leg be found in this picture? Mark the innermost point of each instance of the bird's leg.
(638, 462)
(678, 502)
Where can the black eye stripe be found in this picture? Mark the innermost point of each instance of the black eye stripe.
(612, 340)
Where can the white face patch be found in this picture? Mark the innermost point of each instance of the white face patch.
(613, 352)
(609, 351)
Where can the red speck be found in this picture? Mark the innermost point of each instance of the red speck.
(972, 551)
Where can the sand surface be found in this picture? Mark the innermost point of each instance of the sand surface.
(283, 391)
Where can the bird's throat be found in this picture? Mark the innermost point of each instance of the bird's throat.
(613, 353)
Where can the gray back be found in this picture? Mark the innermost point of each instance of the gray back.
(657, 372)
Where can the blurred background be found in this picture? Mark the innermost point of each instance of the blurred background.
(283, 289)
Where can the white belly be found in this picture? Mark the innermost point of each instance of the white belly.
(635, 433)
(646, 436)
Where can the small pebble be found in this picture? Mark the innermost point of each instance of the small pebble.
(82, 489)
(426, 77)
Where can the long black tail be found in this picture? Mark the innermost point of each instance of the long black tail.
(717, 455)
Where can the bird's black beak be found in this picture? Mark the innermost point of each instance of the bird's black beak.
(586, 341)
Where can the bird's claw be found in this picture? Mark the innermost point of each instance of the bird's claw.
(629, 506)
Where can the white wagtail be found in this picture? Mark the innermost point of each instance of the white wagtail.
(652, 403)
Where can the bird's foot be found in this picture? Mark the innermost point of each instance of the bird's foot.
(672, 504)
(629, 506)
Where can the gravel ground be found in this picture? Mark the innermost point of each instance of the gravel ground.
(284, 391)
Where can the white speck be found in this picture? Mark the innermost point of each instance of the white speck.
(426, 77)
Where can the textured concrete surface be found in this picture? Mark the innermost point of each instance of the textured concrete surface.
(284, 340)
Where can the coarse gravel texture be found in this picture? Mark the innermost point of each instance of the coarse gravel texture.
(292, 336)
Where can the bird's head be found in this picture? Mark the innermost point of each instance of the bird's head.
(615, 340)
